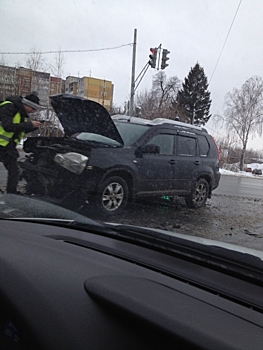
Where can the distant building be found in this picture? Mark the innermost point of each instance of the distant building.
(7, 81)
(56, 86)
(72, 85)
(21, 81)
(40, 83)
(28, 80)
(98, 90)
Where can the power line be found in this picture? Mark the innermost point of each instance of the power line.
(225, 40)
(219, 133)
(67, 51)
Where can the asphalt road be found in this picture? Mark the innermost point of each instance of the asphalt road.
(238, 186)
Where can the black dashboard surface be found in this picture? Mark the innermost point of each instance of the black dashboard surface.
(63, 288)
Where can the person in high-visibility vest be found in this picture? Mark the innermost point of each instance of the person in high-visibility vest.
(14, 123)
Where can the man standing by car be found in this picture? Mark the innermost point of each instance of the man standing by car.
(14, 123)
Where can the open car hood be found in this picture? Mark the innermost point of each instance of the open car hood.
(77, 114)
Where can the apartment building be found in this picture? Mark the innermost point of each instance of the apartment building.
(56, 86)
(28, 80)
(7, 81)
(98, 90)
(21, 81)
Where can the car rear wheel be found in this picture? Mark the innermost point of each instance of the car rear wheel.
(112, 195)
(199, 194)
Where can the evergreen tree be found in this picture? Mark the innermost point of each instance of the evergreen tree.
(193, 100)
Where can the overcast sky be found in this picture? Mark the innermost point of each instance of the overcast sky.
(192, 30)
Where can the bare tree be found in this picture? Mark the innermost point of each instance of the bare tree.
(57, 68)
(116, 110)
(146, 101)
(57, 71)
(244, 112)
(159, 102)
(3, 61)
(38, 75)
(228, 147)
(35, 60)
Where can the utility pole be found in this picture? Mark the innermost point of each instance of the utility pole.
(133, 74)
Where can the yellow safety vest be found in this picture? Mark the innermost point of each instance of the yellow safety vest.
(5, 136)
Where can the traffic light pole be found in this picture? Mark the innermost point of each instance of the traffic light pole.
(142, 74)
(133, 74)
(154, 62)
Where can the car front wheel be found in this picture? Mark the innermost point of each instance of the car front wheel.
(112, 195)
(199, 194)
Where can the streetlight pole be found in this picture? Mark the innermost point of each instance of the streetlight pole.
(133, 74)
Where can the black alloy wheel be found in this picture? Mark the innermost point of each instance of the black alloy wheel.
(199, 194)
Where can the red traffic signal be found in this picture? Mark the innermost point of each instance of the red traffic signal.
(153, 57)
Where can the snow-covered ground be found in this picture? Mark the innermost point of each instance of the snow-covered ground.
(244, 173)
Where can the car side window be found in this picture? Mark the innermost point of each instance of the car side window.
(164, 141)
(203, 146)
(186, 146)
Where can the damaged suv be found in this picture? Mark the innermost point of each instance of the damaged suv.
(106, 161)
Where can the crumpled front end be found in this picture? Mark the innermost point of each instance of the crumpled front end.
(53, 169)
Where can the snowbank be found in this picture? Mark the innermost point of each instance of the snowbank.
(244, 173)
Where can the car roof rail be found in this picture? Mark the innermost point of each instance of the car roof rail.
(160, 121)
(157, 121)
(127, 118)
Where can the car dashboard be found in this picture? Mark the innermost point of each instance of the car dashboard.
(70, 288)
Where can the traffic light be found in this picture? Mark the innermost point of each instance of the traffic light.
(164, 59)
(153, 57)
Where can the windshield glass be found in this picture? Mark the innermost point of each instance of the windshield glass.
(88, 136)
(130, 133)
(157, 89)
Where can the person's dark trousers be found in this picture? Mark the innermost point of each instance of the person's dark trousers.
(9, 158)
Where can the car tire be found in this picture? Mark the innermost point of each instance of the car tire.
(112, 196)
(199, 194)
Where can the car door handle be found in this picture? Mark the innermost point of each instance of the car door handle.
(172, 161)
(197, 162)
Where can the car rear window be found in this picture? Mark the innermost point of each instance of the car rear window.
(186, 146)
(203, 146)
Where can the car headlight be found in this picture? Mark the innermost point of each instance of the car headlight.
(73, 162)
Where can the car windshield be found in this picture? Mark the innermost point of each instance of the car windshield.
(130, 133)
(88, 136)
(131, 174)
(154, 122)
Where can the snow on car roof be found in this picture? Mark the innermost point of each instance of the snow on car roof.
(156, 121)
